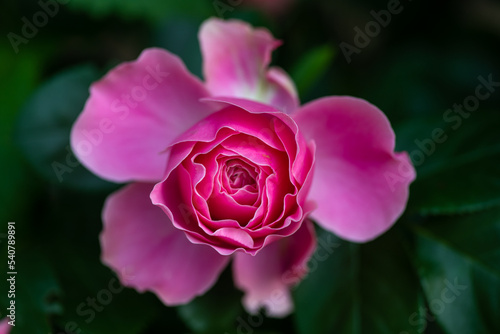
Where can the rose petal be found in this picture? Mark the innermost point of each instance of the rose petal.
(205, 155)
(266, 278)
(235, 63)
(223, 206)
(4, 326)
(282, 91)
(235, 236)
(354, 162)
(148, 253)
(132, 115)
(246, 196)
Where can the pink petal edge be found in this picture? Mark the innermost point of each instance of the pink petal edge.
(148, 253)
(132, 115)
(236, 57)
(267, 277)
(360, 185)
(4, 326)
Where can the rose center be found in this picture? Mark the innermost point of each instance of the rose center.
(239, 177)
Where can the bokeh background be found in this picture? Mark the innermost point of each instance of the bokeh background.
(432, 66)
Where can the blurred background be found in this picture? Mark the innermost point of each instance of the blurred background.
(432, 66)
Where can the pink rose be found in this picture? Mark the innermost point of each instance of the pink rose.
(238, 179)
(232, 168)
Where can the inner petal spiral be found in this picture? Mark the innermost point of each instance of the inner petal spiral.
(240, 175)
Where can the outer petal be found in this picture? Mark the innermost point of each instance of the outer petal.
(266, 278)
(133, 113)
(236, 59)
(148, 253)
(360, 184)
(4, 326)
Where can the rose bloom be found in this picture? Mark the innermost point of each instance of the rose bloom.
(232, 169)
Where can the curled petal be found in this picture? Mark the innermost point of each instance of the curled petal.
(360, 185)
(148, 253)
(267, 277)
(235, 64)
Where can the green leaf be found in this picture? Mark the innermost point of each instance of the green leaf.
(312, 67)
(368, 288)
(476, 236)
(457, 173)
(216, 311)
(44, 127)
(462, 251)
(459, 262)
(487, 297)
(447, 284)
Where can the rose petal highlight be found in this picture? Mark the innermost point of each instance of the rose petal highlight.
(235, 64)
(354, 161)
(132, 115)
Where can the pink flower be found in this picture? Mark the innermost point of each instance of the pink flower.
(4, 326)
(238, 179)
(232, 168)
